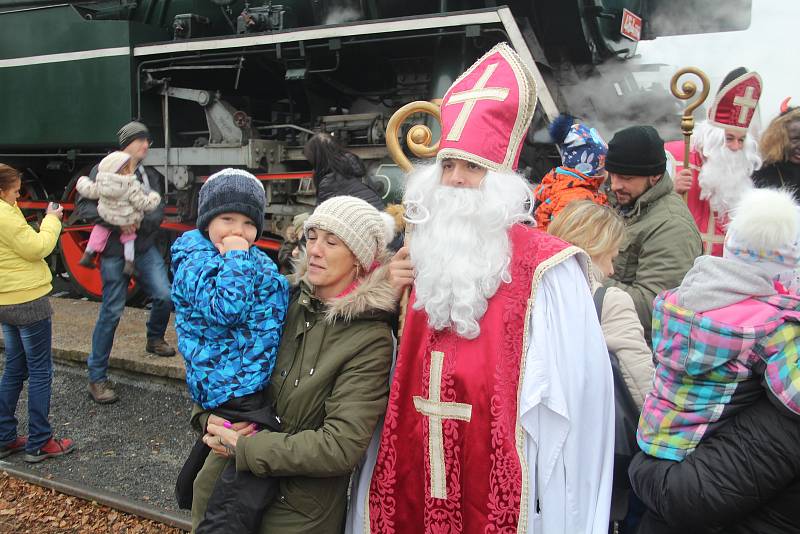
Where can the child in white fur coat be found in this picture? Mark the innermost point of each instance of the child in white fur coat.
(122, 201)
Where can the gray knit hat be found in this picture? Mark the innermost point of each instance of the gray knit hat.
(231, 190)
(132, 131)
(362, 228)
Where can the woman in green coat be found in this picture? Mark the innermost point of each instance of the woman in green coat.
(331, 379)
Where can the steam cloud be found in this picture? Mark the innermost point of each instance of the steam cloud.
(341, 12)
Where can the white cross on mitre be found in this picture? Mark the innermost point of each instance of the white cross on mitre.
(745, 103)
(471, 97)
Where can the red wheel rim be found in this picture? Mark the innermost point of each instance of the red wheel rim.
(73, 245)
(73, 242)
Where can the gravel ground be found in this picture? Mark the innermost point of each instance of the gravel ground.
(134, 447)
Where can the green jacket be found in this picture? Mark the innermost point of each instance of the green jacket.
(661, 243)
(330, 388)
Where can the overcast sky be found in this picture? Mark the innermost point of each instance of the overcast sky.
(769, 46)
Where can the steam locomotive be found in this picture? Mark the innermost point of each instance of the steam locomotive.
(245, 83)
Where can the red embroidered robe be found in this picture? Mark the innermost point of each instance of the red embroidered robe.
(451, 448)
(710, 224)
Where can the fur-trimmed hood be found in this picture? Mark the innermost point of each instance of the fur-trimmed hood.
(372, 298)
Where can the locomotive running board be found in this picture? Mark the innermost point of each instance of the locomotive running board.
(333, 31)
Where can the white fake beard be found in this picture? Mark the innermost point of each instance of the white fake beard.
(460, 245)
(725, 175)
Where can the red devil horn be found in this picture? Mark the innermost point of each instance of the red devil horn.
(785, 104)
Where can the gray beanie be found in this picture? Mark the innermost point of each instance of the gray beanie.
(231, 191)
(132, 131)
(362, 228)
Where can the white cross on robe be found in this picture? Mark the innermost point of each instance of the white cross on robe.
(471, 97)
(745, 103)
(710, 237)
(437, 411)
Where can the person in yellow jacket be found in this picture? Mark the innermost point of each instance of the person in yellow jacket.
(25, 281)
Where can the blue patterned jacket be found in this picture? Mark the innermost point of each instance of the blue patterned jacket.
(229, 314)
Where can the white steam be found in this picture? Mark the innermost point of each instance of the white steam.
(343, 13)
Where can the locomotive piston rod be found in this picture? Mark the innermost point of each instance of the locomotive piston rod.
(227, 126)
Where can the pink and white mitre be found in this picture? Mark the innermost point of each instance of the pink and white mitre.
(497, 97)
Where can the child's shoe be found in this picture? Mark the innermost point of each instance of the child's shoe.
(15, 446)
(51, 449)
(87, 260)
(128, 269)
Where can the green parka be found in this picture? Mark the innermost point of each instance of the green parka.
(660, 246)
(329, 387)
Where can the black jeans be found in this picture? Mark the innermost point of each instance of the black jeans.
(239, 498)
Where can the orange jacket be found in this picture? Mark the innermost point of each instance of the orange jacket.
(561, 186)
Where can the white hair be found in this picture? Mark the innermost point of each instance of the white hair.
(725, 175)
(460, 245)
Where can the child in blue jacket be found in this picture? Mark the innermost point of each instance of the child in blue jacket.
(230, 305)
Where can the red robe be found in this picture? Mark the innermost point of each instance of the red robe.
(704, 216)
(451, 458)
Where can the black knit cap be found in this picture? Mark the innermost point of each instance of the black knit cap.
(130, 132)
(636, 151)
(231, 191)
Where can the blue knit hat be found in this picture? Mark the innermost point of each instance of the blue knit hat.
(580, 146)
(231, 191)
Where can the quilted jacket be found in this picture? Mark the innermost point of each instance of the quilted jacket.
(229, 314)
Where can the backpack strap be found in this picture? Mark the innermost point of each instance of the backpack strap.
(599, 296)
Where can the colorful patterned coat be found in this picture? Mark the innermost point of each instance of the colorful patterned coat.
(711, 365)
(229, 313)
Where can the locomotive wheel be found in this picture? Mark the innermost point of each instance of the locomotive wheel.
(33, 191)
(72, 244)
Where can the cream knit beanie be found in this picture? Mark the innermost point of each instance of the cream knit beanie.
(362, 228)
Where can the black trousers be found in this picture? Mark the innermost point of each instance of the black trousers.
(239, 498)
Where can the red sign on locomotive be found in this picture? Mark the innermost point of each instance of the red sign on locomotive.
(631, 25)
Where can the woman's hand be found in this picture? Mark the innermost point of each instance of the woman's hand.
(401, 271)
(222, 436)
(55, 211)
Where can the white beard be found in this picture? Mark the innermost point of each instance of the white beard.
(725, 175)
(460, 245)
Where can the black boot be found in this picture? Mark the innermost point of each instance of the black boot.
(87, 260)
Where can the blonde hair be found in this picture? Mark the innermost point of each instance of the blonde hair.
(775, 141)
(595, 228)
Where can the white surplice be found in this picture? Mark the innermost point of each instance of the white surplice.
(566, 409)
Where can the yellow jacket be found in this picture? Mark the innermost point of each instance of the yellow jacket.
(24, 275)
